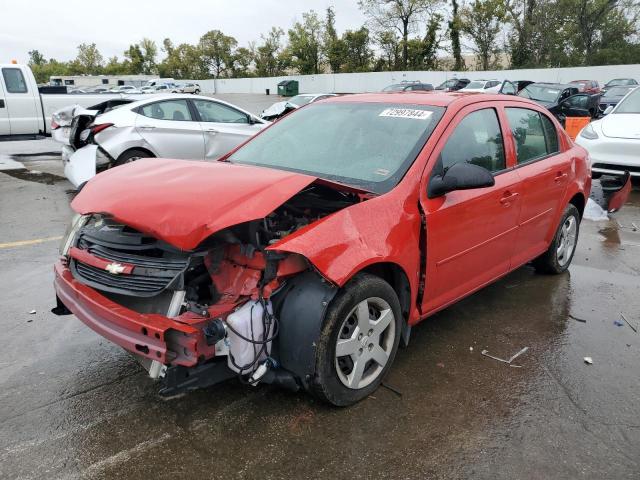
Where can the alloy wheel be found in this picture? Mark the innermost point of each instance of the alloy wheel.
(365, 343)
(567, 240)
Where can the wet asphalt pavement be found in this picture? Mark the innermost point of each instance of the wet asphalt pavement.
(73, 405)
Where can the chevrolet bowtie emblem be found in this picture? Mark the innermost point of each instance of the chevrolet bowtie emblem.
(114, 268)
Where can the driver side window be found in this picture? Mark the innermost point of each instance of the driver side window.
(218, 113)
(477, 139)
(578, 101)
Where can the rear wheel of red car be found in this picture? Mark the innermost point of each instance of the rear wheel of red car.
(358, 341)
(560, 253)
(131, 156)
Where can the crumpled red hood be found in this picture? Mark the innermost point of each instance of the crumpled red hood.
(184, 202)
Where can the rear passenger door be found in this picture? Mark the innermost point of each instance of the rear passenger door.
(169, 127)
(544, 171)
(470, 234)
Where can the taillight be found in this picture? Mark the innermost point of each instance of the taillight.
(98, 128)
(54, 125)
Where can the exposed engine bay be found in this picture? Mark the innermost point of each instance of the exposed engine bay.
(227, 288)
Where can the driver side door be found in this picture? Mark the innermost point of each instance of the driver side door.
(576, 106)
(223, 126)
(470, 234)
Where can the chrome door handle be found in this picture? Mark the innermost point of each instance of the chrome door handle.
(508, 197)
(147, 127)
(211, 130)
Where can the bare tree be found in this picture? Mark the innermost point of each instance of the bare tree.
(400, 15)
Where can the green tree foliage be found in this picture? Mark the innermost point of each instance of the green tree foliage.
(184, 61)
(149, 53)
(217, 51)
(389, 45)
(135, 59)
(482, 22)
(407, 34)
(242, 62)
(305, 44)
(423, 51)
(270, 57)
(358, 55)
(454, 33)
(88, 62)
(332, 47)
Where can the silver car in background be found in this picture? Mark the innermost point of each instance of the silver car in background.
(190, 88)
(171, 126)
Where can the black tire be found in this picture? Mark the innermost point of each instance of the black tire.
(131, 156)
(327, 384)
(196, 92)
(550, 262)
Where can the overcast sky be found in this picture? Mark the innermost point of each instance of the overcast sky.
(56, 28)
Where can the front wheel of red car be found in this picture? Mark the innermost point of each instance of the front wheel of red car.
(560, 253)
(358, 341)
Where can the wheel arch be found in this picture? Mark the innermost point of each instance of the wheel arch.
(579, 202)
(395, 275)
(142, 149)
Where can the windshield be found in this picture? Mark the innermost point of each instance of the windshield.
(620, 81)
(617, 91)
(477, 84)
(395, 88)
(368, 145)
(300, 100)
(630, 104)
(541, 93)
(448, 84)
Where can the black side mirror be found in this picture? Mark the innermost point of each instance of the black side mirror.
(460, 176)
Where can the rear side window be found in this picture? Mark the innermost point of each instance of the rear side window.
(477, 139)
(534, 134)
(14, 80)
(550, 135)
(177, 110)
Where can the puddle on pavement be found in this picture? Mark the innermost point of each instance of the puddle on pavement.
(611, 236)
(33, 176)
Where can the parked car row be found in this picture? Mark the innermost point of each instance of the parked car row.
(168, 87)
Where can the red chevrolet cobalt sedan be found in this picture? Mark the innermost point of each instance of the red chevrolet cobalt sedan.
(305, 256)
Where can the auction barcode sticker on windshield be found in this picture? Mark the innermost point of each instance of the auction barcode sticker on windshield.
(406, 113)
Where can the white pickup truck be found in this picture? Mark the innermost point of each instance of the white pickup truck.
(25, 113)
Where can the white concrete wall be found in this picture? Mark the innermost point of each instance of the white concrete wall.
(375, 81)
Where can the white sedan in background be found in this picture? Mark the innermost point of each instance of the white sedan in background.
(279, 109)
(483, 86)
(613, 142)
(170, 126)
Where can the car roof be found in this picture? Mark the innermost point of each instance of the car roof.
(431, 98)
(146, 99)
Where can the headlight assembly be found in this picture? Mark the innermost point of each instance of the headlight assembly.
(589, 133)
(77, 222)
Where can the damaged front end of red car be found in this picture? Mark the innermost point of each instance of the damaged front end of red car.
(197, 289)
